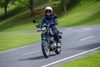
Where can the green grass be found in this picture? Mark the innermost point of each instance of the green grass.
(89, 61)
(15, 23)
(86, 13)
(13, 40)
(18, 22)
(10, 7)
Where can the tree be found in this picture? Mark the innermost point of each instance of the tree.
(66, 4)
(63, 4)
(4, 4)
(31, 5)
(27, 3)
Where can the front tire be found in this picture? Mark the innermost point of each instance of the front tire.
(45, 49)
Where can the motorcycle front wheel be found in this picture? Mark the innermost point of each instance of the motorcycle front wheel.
(45, 49)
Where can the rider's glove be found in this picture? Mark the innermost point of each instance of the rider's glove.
(38, 26)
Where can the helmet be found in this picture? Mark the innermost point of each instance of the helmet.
(49, 8)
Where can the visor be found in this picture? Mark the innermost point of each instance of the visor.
(48, 11)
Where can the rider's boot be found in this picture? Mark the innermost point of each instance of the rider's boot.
(58, 44)
(60, 37)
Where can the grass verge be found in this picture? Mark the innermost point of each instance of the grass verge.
(14, 40)
(85, 13)
(89, 61)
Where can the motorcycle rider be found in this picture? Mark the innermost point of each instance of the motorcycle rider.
(49, 19)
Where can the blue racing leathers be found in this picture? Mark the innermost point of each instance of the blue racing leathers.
(48, 20)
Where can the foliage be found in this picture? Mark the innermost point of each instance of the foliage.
(27, 3)
(66, 4)
(4, 4)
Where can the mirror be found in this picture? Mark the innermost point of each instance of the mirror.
(34, 21)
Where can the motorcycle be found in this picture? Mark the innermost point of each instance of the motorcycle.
(48, 42)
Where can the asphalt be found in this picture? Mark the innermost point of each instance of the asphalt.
(75, 40)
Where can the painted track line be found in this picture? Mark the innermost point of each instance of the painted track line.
(15, 49)
(87, 38)
(31, 52)
(79, 54)
(87, 28)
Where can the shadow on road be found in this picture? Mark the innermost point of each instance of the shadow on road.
(89, 46)
(35, 58)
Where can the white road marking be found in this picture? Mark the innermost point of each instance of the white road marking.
(68, 28)
(26, 54)
(87, 28)
(14, 49)
(70, 57)
(31, 52)
(87, 38)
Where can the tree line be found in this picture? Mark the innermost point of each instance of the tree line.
(66, 4)
(30, 4)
